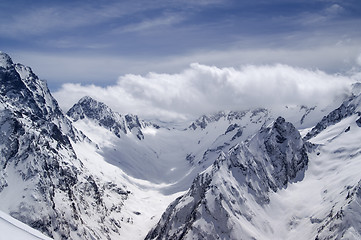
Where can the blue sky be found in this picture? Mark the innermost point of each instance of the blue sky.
(137, 34)
(96, 42)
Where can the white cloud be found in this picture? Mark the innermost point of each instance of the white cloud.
(203, 89)
(104, 69)
(334, 9)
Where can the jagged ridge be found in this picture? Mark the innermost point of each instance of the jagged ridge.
(223, 194)
(43, 183)
(88, 107)
(203, 121)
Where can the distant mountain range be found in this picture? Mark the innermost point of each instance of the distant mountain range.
(93, 173)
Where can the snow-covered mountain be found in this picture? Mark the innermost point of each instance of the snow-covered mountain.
(43, 182)
(223, 200)
(105, 117)
(170, 155)
(11, 228)
(277, 186)
(249, 174)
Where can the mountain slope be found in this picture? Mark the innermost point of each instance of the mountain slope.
(166, 155)
(239, 198)
(105, 117)
(222, 201)
(11, 228)
(339, 148)
(43, 182)
(98, 174)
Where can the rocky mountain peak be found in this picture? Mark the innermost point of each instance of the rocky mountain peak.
(99, 112)
(20, 88)
(5, 60)
(43, 182)
(225, 193)
(87, 100)
(91, 108)
(281, 131)
(276, 154)
(286, 151)
(244, 166)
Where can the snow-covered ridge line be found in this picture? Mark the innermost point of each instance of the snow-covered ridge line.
(88, 107)
(98, 174)
(236, 182)
(43, 181)
(11, 228)
(230, 116)
(347, 108)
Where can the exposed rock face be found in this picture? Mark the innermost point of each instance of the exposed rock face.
(286, 150)
(343, 218)
(90, 108)
(42, 182)
(236, 182)
(344, 222)
(251, 180)
(347, 108)
(87, 107)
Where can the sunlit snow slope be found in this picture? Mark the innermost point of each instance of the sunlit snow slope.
(246, 174)
(11, 228)
(43, 182)
(236, 198)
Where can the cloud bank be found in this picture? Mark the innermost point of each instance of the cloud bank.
(203, 89)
